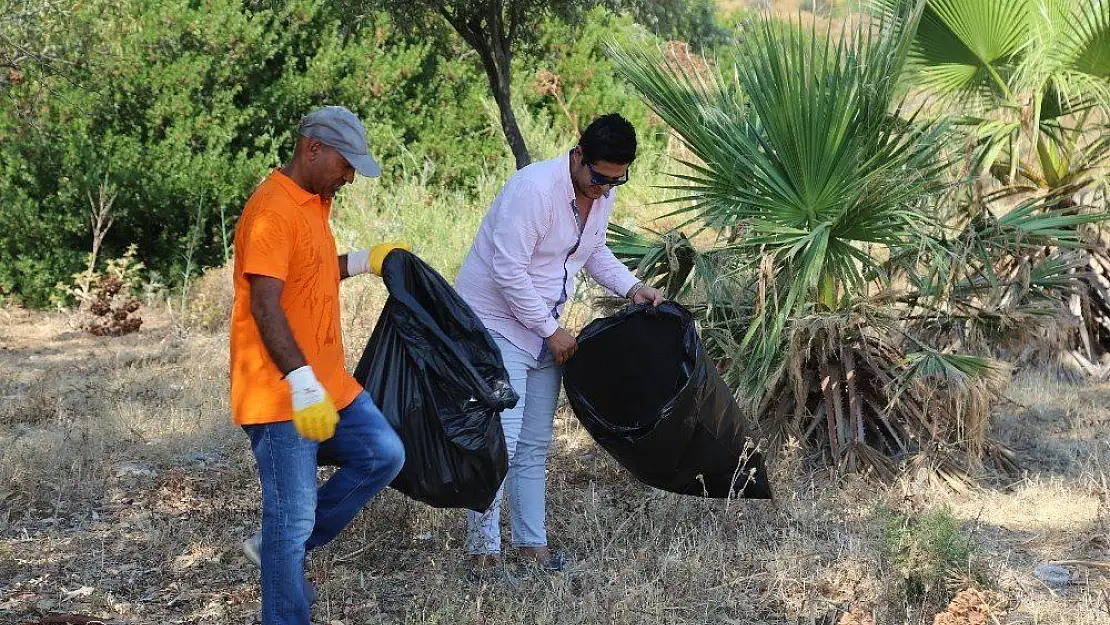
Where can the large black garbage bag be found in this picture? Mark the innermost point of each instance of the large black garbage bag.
(438, 377)
(643, 387)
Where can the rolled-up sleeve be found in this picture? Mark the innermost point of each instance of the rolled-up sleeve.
(609, 272)
(524, 219)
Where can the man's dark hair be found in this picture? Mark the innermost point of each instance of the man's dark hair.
(609, 138)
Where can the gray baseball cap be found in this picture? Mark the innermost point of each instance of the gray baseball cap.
(337, 127)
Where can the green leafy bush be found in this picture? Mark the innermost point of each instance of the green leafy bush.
(184, 107)
(575, 80)
(692, 21)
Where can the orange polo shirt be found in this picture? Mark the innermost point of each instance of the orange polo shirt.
(284, 233)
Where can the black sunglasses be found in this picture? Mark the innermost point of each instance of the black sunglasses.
(601, 181)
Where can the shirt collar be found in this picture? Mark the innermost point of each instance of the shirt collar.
(300, 196)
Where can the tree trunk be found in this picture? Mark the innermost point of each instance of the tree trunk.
(498, 71)
(489, 36)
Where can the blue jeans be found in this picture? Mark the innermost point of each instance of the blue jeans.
(528, 429)
(296, 517)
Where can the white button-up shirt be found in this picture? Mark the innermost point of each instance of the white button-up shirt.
(521, 268)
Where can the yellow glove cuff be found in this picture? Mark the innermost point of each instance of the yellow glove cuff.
(380, 251)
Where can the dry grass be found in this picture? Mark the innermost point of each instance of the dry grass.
(208, 305)
(126, 492)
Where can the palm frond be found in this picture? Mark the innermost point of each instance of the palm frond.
(953, 370)
(963, 49)
(665, 261)
(1037, 224)
(1080, 56)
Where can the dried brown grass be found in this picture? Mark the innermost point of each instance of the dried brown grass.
(971, 607)
(208, 305)
(108, 511)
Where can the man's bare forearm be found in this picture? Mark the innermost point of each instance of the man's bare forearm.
(344, 272)
(273, 327)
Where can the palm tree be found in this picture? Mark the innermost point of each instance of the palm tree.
(821, 308)
(1030, 81)
(1031, 76)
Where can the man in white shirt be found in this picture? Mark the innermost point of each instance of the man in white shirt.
(547, 223)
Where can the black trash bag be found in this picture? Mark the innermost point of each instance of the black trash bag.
(438, 377)
(643, 387)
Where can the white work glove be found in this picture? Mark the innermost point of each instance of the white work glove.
(314, 415)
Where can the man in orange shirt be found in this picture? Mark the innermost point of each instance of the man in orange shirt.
(289, 390)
